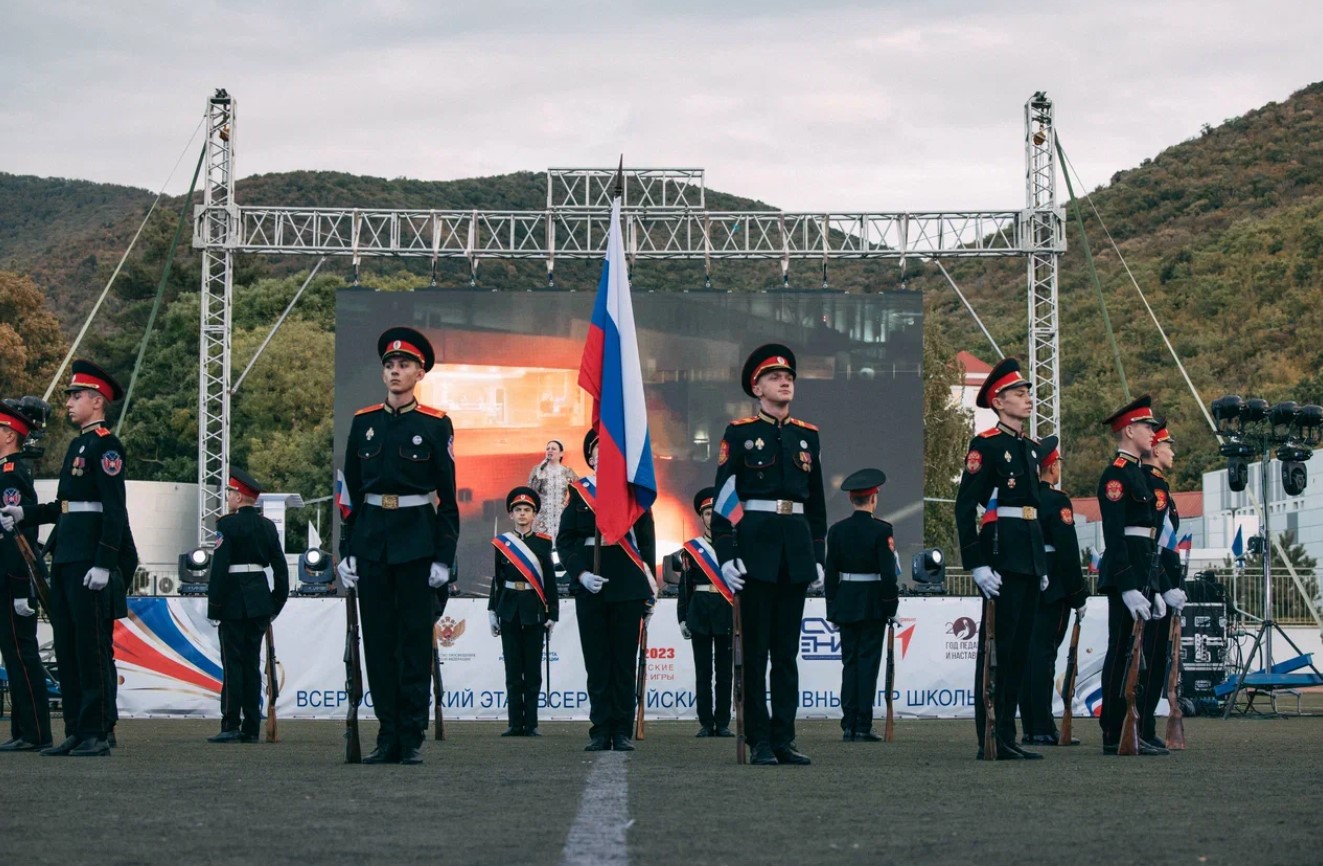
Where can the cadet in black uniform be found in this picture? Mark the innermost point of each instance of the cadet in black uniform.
(523, 608)
(399, 540)
(610, 604)
(241, 600)
(1126, 574)
(862, 597)
(773, 462)
(1157, 634)
(1066, 591)
(93, 552)
(29, 713)
(1004, 550)
(704, 610)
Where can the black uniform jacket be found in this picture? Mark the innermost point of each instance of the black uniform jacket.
(1169, 576)
(1065, 573)
(1002, 460)
(404, 452)
(524, 606)
(773, 460)
(704, 611)
(1125, 499)
(246, 538)
(861, 544)
(575, 544)
(16, 489)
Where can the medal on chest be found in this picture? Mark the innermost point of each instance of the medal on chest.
(370, 433)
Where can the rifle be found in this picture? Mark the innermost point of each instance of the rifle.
(641, 679)
(34, 571)
(1129, 744)
(438, 690)
(353, 679)
(1175, 718)
(990, 680)
(891, 677)
(1068, 686)
(272, 686)
(737, 654)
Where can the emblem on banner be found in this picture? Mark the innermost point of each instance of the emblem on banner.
(448, 631)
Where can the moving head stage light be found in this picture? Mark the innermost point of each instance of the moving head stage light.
(928, 571)
(194, 571)
(315, 575)
(1250, 426)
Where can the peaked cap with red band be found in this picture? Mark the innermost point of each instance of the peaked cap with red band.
(865, 482)
(89, 377)
(523, 496)
(246, 484)
(703, 499)
(407, 343)
(765, 359)
(1003, 376)
(1162, 434)
(1137, 411)
(1050, 452)
(15, 420)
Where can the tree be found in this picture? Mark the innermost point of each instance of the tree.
(946, 428)
(31, 345)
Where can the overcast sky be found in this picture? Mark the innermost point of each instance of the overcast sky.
(811, 105)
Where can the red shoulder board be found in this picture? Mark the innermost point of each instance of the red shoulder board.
(367, 409)
(102, 431)
(543, 535)
(428, 410)
(1119, 462)
(813, 427)
(9, 467)
(989, 433)
(748, 420)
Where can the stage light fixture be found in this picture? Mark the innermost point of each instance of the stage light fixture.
(1226, 411)
(194, 571)
(1254, 411)
(315, 574)
(928, 571)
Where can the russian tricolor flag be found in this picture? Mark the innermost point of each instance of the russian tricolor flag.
(990, 512)
(728, 503)
(1186, 542)
(342, 500)
(1168, 538)
(610, 372)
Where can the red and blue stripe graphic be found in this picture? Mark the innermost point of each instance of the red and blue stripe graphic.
(611, 373)
(152, 640)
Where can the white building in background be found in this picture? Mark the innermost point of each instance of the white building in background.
(164, 517)
(976, 373)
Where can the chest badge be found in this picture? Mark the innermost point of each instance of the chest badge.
(418, 440)
(370, 433)
(1010, 483)
(759, 443)
(748, 446)
(82, 448)
(1007, 455)
(803, 444)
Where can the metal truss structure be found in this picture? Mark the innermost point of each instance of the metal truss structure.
(665, 217)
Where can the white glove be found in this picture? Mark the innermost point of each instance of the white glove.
(652, 581)
(1159, 606)
(9, 515)
(1135, 602)
(988, 581)
(817, 585)
(551, 626)
(1175, 599)
(1079, 612)
(214, 623)
(494, 622)
(684, 631)
(593, 582)
(22, 608)
(439, 576)
(1042, 583)
(96, 578)
(734, 572)
(348, 571)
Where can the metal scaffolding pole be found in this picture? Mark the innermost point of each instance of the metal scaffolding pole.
(1045, 238)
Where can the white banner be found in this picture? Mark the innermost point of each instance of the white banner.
(169, 662)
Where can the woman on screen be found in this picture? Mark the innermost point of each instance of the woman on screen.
(551, 479)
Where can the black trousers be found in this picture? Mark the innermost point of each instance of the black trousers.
(1051, 622)
(84, 638)
(241, 662)
(1157, 650)
(609, 636)
(712, 653)
(1120, 629)
(771, 614)
(395, 605)
(1016, 606)
(30, 713)
(861, 658)
(522, 646)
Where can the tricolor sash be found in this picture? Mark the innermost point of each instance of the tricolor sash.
(587, 487)
(525, 561)
(706, 558)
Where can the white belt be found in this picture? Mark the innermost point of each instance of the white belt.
(1027, 512)
(1141, 532)
(251, 568)
(518, 584)
(68, 507)
(1047, 548)
(704, 587)
(847, 577)
(392, 501)
(776, 506)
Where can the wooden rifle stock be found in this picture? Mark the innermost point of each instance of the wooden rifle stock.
(272, 686)
(641, 680)
(34, 571)
(990, 680)
(1175, 719)
(890, 733)
(353, 679)
(1129, 743)
(737, 654)
(438, 690)
(1068, 687)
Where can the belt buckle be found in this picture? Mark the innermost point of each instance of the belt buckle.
(785, 506)
(1030, 512)
(64, 506)
(390, 501)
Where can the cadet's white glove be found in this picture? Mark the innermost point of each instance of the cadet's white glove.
(494, 622)
(551, 626)
(1159, 606)
(684, 631)
(1175, 599)
(1042, 583)
(96, 578)
(9, 515)
(652, 581)
(1135, 602)
(592, 582)
(22, 608)
(348, 571)
(734, 572)
(988, 581)
(817, 585)
(1079, 612)
(214, 623)
(439, 576)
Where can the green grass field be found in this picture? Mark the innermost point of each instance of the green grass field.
(1247, 791)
